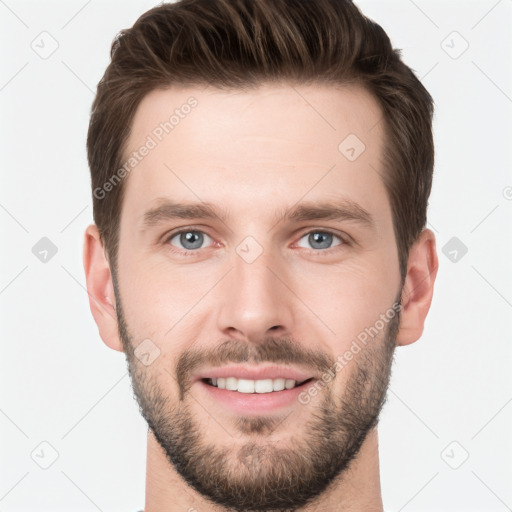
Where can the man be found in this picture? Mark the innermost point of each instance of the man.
(260, 174)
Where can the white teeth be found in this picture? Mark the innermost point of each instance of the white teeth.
(263, 386)
(289, 384)
(279, 384)
(245, 386)
(253, 386)
(231, 383)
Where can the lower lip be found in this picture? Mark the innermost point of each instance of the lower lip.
(255, 403)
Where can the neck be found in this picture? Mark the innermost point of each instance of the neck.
(358, 488)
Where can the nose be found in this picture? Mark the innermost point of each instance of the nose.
(256, 301)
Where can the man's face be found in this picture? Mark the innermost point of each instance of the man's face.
(256, 288)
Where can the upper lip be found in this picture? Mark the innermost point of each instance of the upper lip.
(255, 373)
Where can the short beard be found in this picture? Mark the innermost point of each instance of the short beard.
(259, 476)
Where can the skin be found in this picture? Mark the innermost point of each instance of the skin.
(257, 153)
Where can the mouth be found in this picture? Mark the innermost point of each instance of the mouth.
(249, 386)
(253, 390)
(246, 397)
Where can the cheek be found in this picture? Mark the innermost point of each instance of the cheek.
(154, 298)
(348, 298)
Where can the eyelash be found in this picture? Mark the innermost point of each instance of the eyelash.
(317, 252)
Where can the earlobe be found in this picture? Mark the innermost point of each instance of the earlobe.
(100, 288)
(418, 287)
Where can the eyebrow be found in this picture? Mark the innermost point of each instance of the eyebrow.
(341, 210)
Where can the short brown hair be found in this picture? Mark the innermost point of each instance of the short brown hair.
(234, 44)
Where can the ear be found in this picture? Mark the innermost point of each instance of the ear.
(418, 287)
(100, 288)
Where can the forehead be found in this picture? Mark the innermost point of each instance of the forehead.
(238, 148)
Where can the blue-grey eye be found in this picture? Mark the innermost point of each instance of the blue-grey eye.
(321, 239)
(190, 239)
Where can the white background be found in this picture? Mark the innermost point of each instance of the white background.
(61, 385)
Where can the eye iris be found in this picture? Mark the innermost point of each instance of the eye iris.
(320, 237)
(193, 237)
